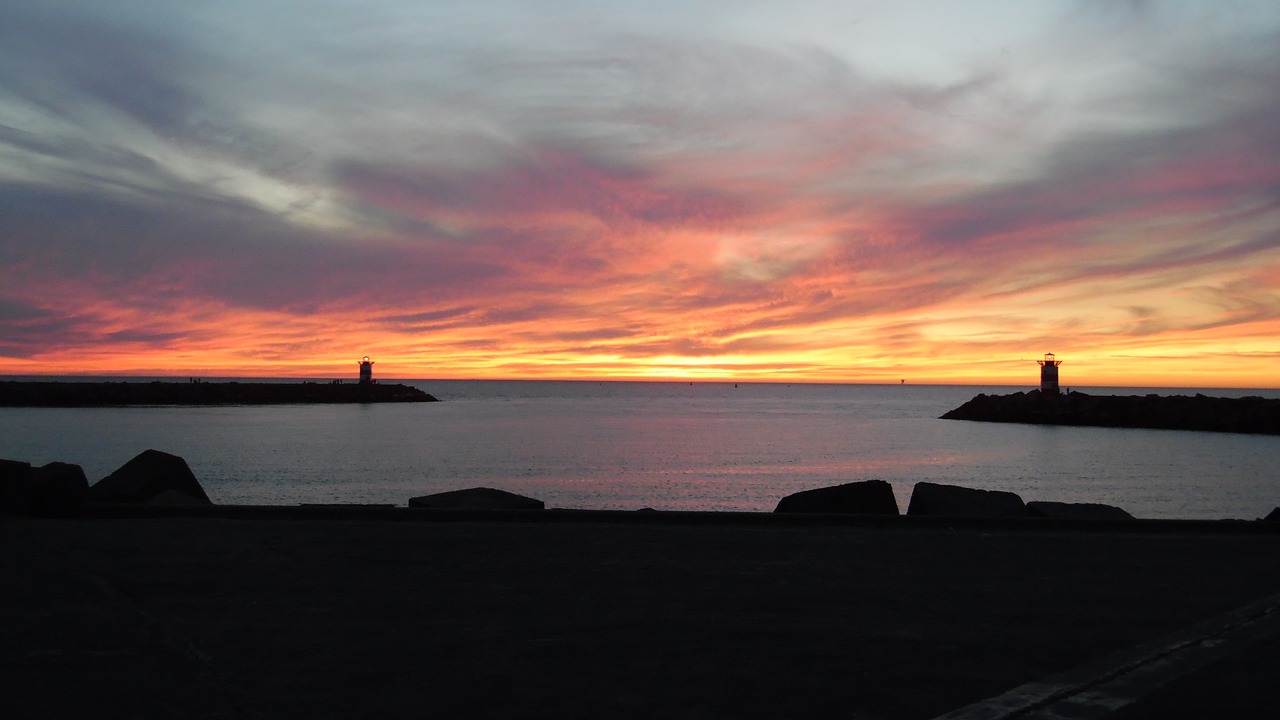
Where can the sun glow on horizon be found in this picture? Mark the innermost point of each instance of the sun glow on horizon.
(1150, 366)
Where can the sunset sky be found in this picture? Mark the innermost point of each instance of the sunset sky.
(828, 191)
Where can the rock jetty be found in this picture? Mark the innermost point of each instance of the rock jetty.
(1254, 415)
(106, 394)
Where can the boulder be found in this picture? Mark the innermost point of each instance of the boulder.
(481, 498)
(869, 497)
(17, 488)
(149, 474)
(60, 489)
(954, 501)
(1076, 511)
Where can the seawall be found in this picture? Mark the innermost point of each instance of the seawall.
(1254, 415)
(107, 394)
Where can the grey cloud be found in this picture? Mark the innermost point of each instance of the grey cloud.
(149, 337)
(75, 150)
(88, 68)
(1213, 160)
(430, 316)
(234, 253)
(539, 179)
(26, 329)
(16, 312)
(48, 53)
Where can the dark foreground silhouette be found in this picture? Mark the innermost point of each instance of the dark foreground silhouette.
(203, 617)
(1255, 415)
(101, 394)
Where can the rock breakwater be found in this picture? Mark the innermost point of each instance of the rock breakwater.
(106, 394)
(1254, 415)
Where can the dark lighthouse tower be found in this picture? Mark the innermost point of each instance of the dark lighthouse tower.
(366, 371)
(1048, 374)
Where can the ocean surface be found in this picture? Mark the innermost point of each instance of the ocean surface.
(667, 446)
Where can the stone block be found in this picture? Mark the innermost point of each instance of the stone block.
(1076, 511)
(144, 477)
(60, 489)
(17, 488)
(481, 498)
(954, 501)
(868, 497)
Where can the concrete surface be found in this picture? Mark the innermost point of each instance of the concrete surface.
(326, 617)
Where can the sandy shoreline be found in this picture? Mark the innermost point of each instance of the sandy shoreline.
(356, 612)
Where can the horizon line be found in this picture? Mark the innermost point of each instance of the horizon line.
(657, 380)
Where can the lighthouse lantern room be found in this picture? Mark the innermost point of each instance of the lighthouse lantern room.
(366, 370)
(1049, 374)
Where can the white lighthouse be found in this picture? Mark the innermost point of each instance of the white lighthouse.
(1048, 375)
(366, 371)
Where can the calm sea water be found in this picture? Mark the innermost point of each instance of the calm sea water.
(673, 446)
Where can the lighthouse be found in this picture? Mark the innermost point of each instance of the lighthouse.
(366, 371)
(1048, 374)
